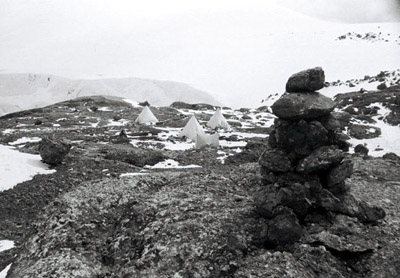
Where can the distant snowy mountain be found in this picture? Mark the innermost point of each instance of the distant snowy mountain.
(24, 91)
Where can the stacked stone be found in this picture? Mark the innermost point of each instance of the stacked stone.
(304, 168)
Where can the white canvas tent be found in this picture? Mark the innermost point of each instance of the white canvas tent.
(146, 117)
(218, 120)
(207, 140)
(192, 129)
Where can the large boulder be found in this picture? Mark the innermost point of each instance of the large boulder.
(303, 106)
(306, 81)
(53, 151)
(321, 159)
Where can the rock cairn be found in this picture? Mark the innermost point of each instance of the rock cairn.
(304, 167)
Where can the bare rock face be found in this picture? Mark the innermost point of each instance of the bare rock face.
(53, 151)
(297, 106)
(307, 80)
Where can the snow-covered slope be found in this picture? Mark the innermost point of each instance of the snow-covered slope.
(241, 50)
(35, 90)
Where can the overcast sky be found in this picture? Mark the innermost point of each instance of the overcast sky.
(227, 47)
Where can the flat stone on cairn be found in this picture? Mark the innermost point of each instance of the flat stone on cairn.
(304, 167)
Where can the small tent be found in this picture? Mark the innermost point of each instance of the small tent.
(207, 140)
(218, 120)
(146, 117)
(191, 129)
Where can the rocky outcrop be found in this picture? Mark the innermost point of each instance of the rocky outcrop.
(53, 151)
(304, 168)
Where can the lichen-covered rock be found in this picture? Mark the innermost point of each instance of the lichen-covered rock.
(275, 160)
(53, 151)
(166, 225)
(322, 158)
(299, 106)
(306, 80)
(134, 156)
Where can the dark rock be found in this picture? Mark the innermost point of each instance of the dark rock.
(339, 189)
(339, 173)
(363, 211)
(306, 81)
(246, 117)
(339, 139)
(321, 159)
(94, 108)
(301, 137)
(263, 108)
(299, 106)
(328, 201)
(53, 151)
(382, 86)
(196, 106)
(266, 200)
(391, 156)
(364, 131)
(336, 120)
(38, 122)
(144, 103)
(342, 245)
(369, 213)
(121, 138)
(275, 160)
(295, 197)
(284, 228)
(117, 117)
(361, 149)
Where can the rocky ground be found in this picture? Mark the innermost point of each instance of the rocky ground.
(88, 219)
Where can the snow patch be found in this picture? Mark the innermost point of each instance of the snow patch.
(388, 141)
(19, 167)
(24, 140)
(171, 164)
(6, 245)
(3, 273)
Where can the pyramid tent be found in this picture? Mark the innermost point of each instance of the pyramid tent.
(191, 129)
(218, 120)
(146, 117)
(207, 140)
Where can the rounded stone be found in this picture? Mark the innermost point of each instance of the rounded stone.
(306, 80)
